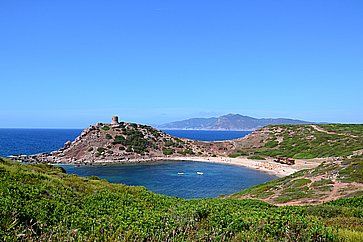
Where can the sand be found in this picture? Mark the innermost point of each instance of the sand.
(268, 165)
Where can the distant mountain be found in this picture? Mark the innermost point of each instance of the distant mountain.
(228, 122)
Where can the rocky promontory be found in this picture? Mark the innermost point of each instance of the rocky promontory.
(121, 142)
(131, 142)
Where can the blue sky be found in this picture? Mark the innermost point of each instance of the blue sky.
(73, 63)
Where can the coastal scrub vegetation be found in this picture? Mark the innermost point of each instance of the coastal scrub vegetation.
(168, 151)
(42, 202)
(133, 140)
(308, 141)
(105, 128)
(340, 178)
(108, 136)
(238, 153)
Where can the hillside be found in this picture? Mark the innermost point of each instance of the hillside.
(228, 122)
(302, 141)
(329, 181)
(128, 142)
(42, 203)
(120, 142)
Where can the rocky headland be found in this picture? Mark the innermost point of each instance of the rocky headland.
(122, 142)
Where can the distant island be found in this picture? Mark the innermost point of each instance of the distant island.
(234, 122)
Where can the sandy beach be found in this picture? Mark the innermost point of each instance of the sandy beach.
(268, 165)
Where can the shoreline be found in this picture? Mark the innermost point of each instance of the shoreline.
(267, 166)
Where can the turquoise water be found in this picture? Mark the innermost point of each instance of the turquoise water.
(163, 177)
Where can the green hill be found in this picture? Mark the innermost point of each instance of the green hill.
(41, 202)
(121, 142)
(329, 181)
(303, 141)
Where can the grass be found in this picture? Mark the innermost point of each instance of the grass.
(42, 203)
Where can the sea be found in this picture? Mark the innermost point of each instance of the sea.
(184, 179)
(208, 135)
(35, 141)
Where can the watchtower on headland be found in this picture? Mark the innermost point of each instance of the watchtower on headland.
(114, 120)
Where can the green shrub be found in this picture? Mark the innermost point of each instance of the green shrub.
(108, 136)
(271, 144)
(299, 182)
(237, 154)
(167, 151)
(169, 143)
(40, 203)
(186, 152)
(119, 139)
(105, 128)
(321, 182)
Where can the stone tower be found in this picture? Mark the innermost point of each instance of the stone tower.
(114, 120)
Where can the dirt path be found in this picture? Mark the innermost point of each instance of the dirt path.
(334, 194)
(320, 129)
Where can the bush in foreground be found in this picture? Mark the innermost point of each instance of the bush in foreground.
(41, 202)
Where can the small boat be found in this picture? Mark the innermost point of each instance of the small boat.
(200, 173)
(180, 173)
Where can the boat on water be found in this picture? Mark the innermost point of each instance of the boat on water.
(200, 173)
(180, 173)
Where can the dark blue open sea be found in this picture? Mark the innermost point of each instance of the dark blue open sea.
(161, 177)
(34, 141)
(207, 135)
